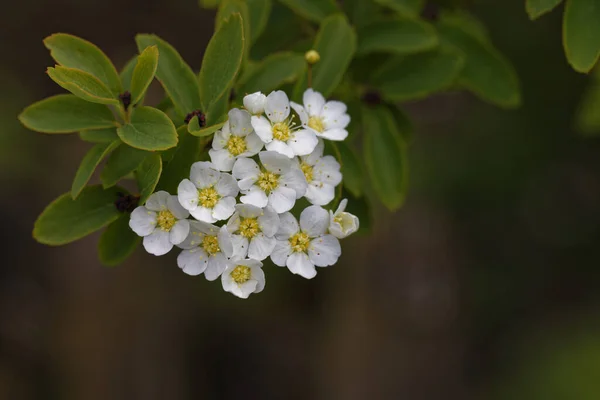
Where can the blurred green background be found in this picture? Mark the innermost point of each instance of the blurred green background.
(486, 285)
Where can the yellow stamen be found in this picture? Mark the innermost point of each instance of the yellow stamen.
(316, 123)
(300, 242)
(208, 197)
(210, 244)
(281, 131)
(241, 274)
(236, 145)
(268, 181)
(249, 227)
(308, 172)
(165, 220)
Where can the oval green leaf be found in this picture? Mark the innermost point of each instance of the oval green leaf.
(117, 242)
(399, 36)
(404, 7)
(274, 71)
(537, 8)
(127, 73)
(149, 129)
(176, 77)
(122, 161)
(417, 76)
(351, 168)
(147, 175)
(222, 60)
(258, 11)
(66, 113)
(581, 33)
(88, 165)
(487, 73)
(195, 129)
(73, 52)
(314, 10)
(82, 84)
(66, 220)
(385, 156)
(143, 73)
(99, 135)
(229, 7)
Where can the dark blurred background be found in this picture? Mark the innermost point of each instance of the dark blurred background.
(486, 285)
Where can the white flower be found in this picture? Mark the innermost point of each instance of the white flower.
(254, 231)
(278, 131)
(210, 195)
(278, 184)
(162, 222)
(243, 277)
(206, 249)
(328, 120)
(322, 174)
(255, 103)
(236, 139)
(302, 247)
(342, 224)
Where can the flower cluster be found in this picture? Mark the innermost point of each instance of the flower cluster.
(262, 164)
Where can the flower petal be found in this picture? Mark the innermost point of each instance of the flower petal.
(277, 106)
(193, 262)
(301, 112)
(349, 224)
(227, 186)
(324, 251)
(263, 128)
(216, 266)
(336, 134)
(142, 221)
(179, 232)
(327, 170)
(239, 122)
(282, 199)
(280, 147)
(224, 208)
(240, 247)
(203, 214)
(176, 208)
(255, 196)
(157, 201)
(313, 102)
(281, 252)
(261, 247)
(338, 122)
(245, 170)
(342, 206)
(158, 242)
(268, 222)
(221, 137)
(222, 159)
(303, 142)
(255, 103)
(187, 194)
(288, 226)
(332, 109)
(225, 241)
(294, 180)
(253, 145)
(203, 174)
(298, 263)
(275, 162)
(314, 221)
(316, 154)
(320, 193)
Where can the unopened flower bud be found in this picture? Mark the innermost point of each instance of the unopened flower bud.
(312, 57)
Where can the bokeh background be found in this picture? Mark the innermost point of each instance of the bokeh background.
(485, 285)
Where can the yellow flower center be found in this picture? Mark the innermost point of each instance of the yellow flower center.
(316, 123)
(208, 197)
(268, 181)
(281, 131)
(241, 274)
(308, 171)
(300, 242)
(236, 145)
(249, 227)
(338, 219)
(210, 244)
(165, 220)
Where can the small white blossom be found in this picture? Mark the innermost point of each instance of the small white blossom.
(301, 248)
(255, 103)
(327, 119)
(209, 195)
(342, 224)
(162, 222)
(243, 277)
(322, 174)
(206, 249)
(277, 129)
(278, 184)
(253, 231)
(236, 139)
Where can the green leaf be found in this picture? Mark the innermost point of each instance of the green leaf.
(403, 123)
(351, 169)
(399, 36)
(588, 113)
(314, 10)
(417, 76)
(285, 29)
(122, 161)
(99, 135)
(217, 112)
(467, 22)
(227, 8)
(222, 60)
(487, 73)
(127, 73)
(176, 77)
(185, 154)
(117, 242)
(258, 11)
(89, 163)
(274, 71)
(149, 129)
(195, 129)
(66, 113)
(537, 8)
(82, 84)
(403, 7)
(73, 52)
(66, 220)
(143, 73)
(385, 156)
(581, 33)
(361, 12)
(147, 175)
